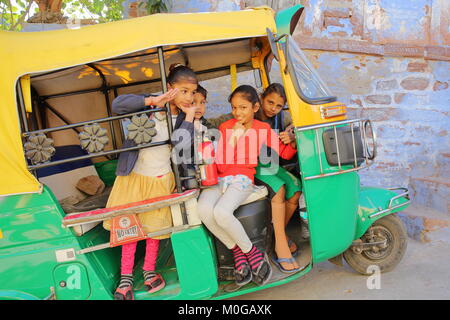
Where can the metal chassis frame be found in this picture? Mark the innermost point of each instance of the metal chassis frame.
(105, 89)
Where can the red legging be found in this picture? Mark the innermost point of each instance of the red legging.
(151, 253)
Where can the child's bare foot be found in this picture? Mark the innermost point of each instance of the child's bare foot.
(286, 261)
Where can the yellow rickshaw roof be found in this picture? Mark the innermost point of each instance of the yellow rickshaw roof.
(24, 53)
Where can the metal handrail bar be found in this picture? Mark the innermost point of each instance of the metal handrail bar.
(354, 146)
(363, 131)
(390, 207)
(406, 193)
(149, 235)
(98, 154)
(362, 123)
(328, 124)
(337, 172)
(318, 151)
(118, 86)
(107, 101)
(79, 124)
(337, 147)
(162, 71)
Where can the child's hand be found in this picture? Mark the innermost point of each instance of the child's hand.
(290, 131)
(238, 131)
(238, 126)
(162, 99)
(288, 136)
(190, 112)
(285, 138)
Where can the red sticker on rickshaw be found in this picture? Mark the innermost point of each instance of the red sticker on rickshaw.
(125, 229)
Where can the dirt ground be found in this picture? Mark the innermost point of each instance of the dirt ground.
(423, 273)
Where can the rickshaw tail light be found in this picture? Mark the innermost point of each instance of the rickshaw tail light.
(333, 111)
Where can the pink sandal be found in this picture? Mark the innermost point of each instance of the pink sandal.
(153, 281)
(124, 293)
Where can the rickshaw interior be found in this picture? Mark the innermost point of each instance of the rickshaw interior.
(65, 102)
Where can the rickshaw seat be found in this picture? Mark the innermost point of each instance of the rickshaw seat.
(62, 178)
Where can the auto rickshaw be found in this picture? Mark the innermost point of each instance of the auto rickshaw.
(57, 127)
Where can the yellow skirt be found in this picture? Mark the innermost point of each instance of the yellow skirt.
(136, 187)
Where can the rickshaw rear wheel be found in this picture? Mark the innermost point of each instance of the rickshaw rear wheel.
(391, 232)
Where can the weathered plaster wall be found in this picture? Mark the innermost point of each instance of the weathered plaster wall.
(390, 63)
(409, 102)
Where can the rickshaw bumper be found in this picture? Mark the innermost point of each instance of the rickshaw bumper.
(375, 203)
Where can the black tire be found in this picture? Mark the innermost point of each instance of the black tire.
(391, 228)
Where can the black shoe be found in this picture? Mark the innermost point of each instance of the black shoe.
(125, 289)
(263, 273)
(243, 276)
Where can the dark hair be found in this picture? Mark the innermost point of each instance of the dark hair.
(275, 88)
(179, 72)
(202, 91)
(248, 92)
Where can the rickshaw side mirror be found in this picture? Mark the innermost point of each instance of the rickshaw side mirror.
(272, 43)
(257, 76)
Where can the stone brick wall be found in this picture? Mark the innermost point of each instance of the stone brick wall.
(409, 103)
(390, 63)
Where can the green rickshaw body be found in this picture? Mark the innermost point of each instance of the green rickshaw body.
(338, 215)
(40, 258)
(37, 253)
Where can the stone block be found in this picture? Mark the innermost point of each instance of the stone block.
(438, 85)
(356, 101)
(332, 21)
(379, 114)
(391, 130)
(437, 53)
(414, 83)
(360, 46)
(417, 67)
(316, 43)
(398, 97)
(378, 99)
(386, 85)
(392, 49)
(337, 12)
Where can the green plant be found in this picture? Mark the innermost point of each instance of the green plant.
(106, 10)
(154, 6)
(12, 15)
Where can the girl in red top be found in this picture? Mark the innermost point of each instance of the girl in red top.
(241, 143)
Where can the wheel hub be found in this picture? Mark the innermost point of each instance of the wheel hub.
(377, 234)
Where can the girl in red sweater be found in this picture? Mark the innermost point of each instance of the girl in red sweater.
(241, 142)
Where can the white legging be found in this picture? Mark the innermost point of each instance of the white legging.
(216, 210)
